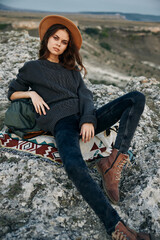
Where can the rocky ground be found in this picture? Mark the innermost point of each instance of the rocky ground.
(37, 201)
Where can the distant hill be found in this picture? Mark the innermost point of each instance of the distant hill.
(130, 16)
(4, 7)
(127, 16)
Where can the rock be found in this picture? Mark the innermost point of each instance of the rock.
(38, 201)
(25, 24)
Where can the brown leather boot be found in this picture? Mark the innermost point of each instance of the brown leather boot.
(122, 232)
(110, 169)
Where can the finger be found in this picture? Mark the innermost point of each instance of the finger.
(89, 135)
(35, 108)
(39, 109)
(86, 136)
(46, 105)
(83, 136)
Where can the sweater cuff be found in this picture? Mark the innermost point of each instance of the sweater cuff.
(9, 94)
(88, 119)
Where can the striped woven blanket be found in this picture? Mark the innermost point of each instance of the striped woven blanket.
(45, 145)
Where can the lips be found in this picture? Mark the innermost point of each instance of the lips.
(56, 49)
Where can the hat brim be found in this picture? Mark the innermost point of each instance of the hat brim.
(50, 20)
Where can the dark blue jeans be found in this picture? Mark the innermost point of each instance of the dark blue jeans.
(128, 110)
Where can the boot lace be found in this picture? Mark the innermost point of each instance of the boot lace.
(124, 161)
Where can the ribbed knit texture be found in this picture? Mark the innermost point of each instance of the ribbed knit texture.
(62, 89)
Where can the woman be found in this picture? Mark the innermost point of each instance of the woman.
(64, 106)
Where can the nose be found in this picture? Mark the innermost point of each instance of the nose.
(58, 43)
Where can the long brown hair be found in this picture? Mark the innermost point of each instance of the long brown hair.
(70, 57)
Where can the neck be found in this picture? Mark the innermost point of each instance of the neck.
(52, 59)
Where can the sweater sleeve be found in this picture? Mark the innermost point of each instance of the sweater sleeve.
(21, 83)
(87, 109)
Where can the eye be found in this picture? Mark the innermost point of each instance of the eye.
(65, 42)
(55, 37)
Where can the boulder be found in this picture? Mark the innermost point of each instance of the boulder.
(38, 201)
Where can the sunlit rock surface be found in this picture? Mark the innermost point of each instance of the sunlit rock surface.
(37, 201)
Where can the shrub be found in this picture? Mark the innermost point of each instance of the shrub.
(92, 31)
(106, 46)
(4, 25)
(104, 33)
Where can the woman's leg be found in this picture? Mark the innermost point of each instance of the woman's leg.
(128, 110)
(67, 139)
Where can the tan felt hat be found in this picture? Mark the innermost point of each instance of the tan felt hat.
(50, 20)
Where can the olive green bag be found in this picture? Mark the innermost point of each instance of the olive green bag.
(20, 118)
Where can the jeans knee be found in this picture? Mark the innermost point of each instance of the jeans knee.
(139, 98)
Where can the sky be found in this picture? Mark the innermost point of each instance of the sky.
(151, 7)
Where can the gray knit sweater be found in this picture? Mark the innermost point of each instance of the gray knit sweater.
(62, 89)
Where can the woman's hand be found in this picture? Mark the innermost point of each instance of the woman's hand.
(87, 132)
(38, 102)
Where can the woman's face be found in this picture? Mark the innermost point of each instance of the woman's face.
(58, 43)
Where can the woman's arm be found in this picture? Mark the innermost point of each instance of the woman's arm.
(37, 100)
(20, 94)
(87, 110)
